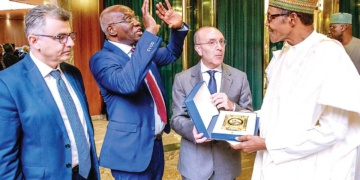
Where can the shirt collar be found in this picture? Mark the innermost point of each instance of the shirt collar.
(43, 68)
(204, 68)
(124, 47)
(308, 42)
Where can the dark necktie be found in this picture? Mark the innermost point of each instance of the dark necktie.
(156, 93)
(212, 81)
(76, 126)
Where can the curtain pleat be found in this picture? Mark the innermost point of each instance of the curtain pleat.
(242, 23)
(352, 7)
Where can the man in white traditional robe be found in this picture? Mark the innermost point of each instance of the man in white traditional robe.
(309, 120)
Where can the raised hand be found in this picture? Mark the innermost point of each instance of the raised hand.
(148, 21)
(169, 16)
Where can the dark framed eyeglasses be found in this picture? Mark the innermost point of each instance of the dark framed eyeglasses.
(127, 20)
(273, 16)
(62, 38)
(214, 43)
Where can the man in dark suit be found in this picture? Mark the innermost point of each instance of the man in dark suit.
(132, 88)
(199, 157)
(45, 126)
(9, 57)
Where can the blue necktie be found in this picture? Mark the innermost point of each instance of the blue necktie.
(212, 81)
(76, 126)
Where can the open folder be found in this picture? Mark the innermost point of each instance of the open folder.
(215, 124)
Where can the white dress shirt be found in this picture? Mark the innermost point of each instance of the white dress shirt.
(217, 75)
(51, 83)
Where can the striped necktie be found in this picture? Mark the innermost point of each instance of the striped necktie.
(156, 93)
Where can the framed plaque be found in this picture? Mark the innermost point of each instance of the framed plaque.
(214, 124)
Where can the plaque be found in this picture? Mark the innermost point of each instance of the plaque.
(235, 122)
(215, 124)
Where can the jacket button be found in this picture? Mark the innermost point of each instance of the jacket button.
(67, 146)
(151, 105)
(68, 165)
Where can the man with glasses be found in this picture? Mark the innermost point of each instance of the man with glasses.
(126, 71)
(341, 30)
(45, 126)
(309, 119)
(201, 158)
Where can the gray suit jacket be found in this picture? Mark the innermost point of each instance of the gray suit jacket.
(200, 161)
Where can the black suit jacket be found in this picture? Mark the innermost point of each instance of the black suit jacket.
(9, 60)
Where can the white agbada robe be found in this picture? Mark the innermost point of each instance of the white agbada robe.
(313, 91)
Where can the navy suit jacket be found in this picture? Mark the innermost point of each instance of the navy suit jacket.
(34, 143)
(129, 139)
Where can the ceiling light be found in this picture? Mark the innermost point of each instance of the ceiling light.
(9, 5)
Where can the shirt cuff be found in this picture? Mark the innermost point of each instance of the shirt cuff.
(183, 27)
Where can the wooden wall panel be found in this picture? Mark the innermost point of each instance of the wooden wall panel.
(12, 31)
(89, 40)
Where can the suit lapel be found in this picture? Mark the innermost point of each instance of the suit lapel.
(226, 81)
(34, 77)
(117, 51)
(196, 75)
(73, 83)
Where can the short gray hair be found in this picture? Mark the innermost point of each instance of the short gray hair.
(111, 14)
(35, 19)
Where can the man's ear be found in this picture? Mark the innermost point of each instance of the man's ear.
(33, 41)
(198, 50)
(343, 27)
(111, 31)
(293, 17)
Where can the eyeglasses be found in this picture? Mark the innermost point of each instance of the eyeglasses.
(62, 38)
(273, 16)
(127, 20)
(214, 43)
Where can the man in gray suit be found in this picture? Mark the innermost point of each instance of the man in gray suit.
(202, 158)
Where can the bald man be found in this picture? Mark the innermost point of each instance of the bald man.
(127, 73)
(199, 157)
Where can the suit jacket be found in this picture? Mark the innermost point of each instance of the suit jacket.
(129, 138)
(34, 142)
(199, 161)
